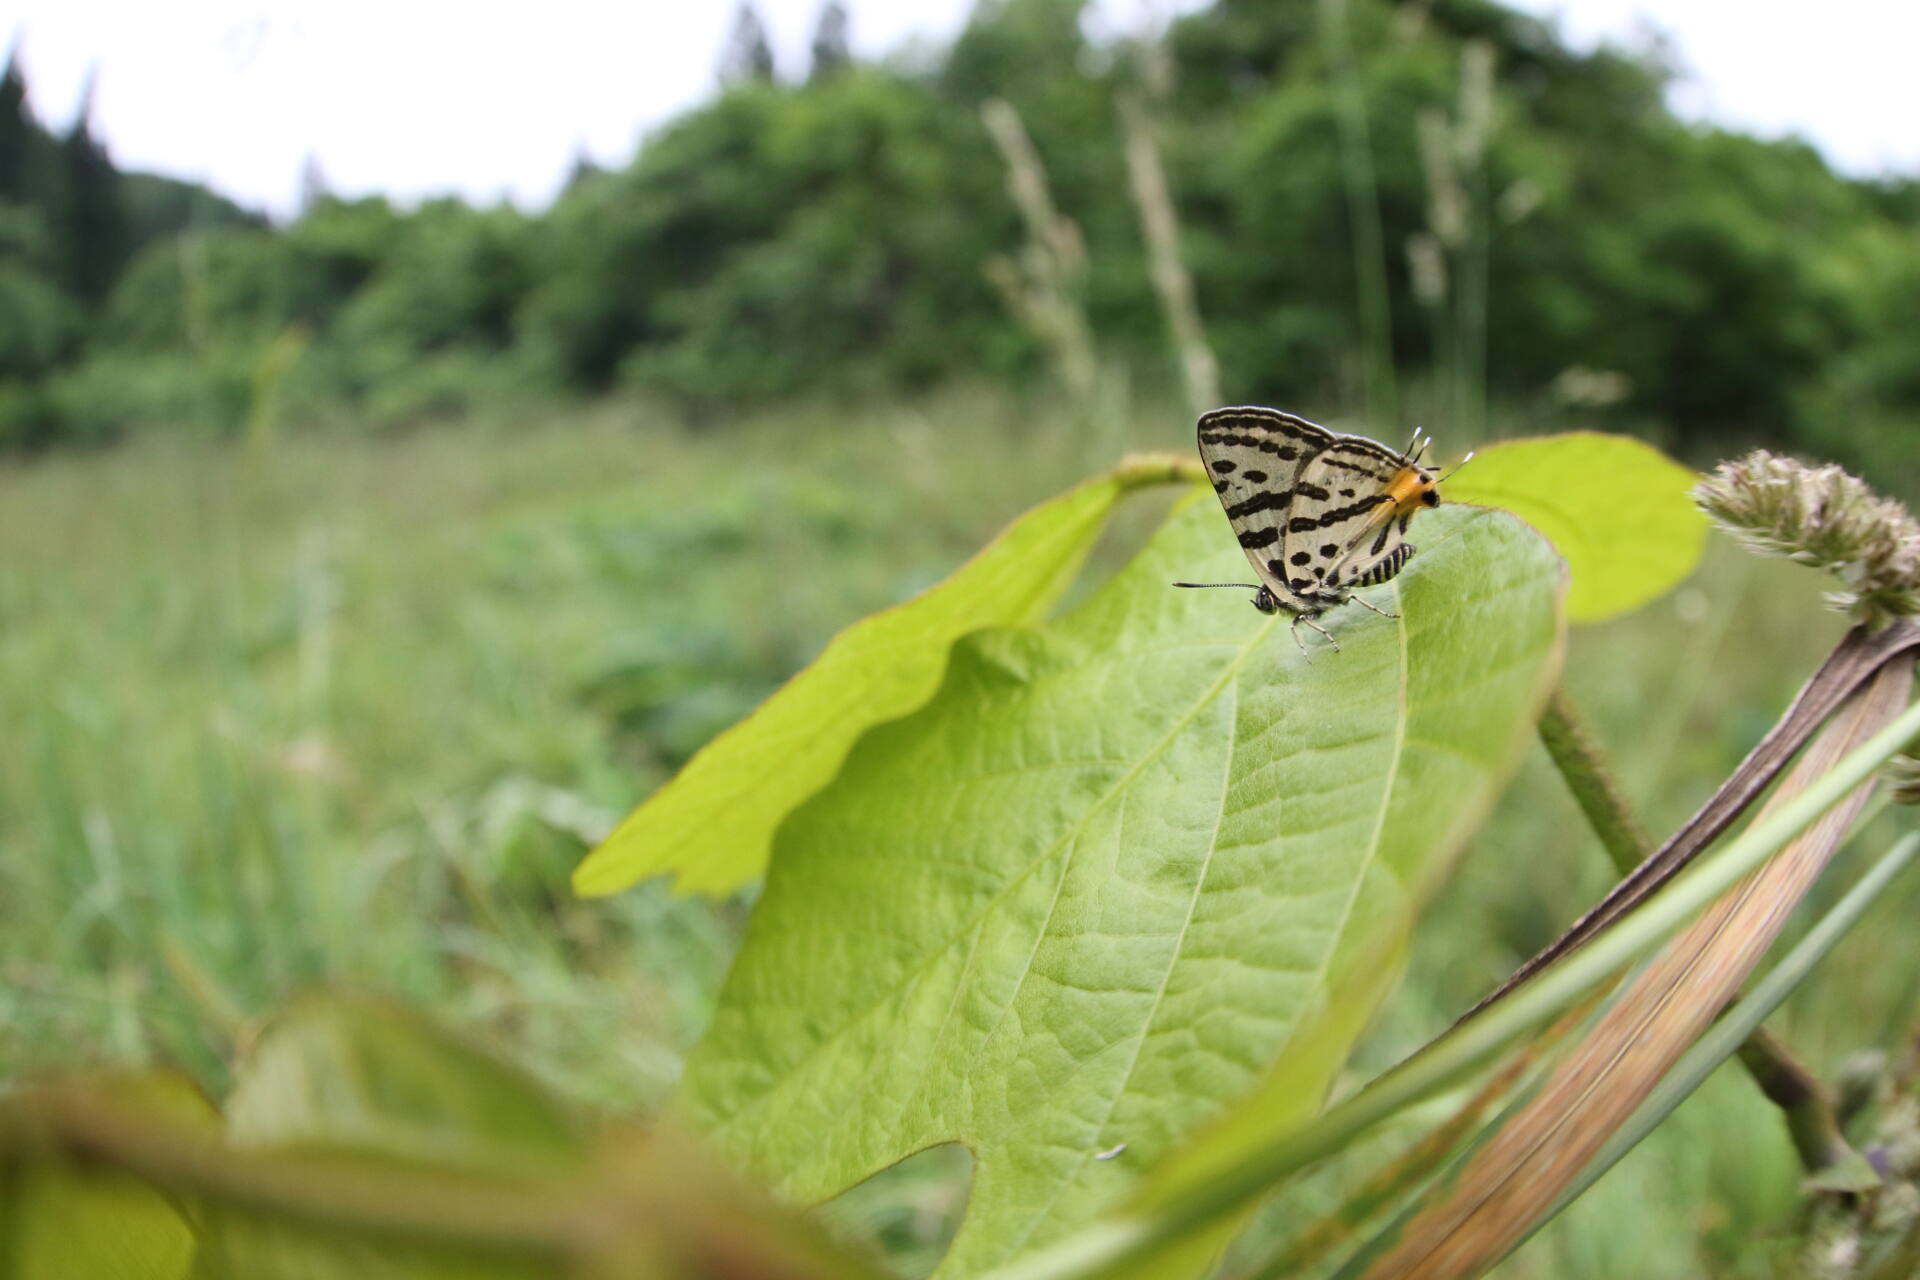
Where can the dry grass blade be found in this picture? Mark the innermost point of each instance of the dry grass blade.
(1846, 669)
(1041, 286)
(1421, 1160)
(1161, 227)
(1516, 1177)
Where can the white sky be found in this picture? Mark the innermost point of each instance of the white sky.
(423, 97)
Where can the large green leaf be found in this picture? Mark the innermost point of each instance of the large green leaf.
(713, 824)
(1119, 871)
(1615, 508)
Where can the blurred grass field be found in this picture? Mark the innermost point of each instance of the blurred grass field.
(323, 710)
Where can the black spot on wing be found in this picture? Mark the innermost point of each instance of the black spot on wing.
(1300, 558)
(1346, 493)
(1329, 550)
(1312, 492)
(1251, 477)
(1223, 466)
(1253, 539)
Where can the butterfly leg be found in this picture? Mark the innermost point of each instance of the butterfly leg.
(1307, 619)
(1376, 608)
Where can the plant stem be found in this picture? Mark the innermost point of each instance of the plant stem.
(1808, 1107)
(1592, 783)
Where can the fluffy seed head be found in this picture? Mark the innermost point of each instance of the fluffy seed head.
(1823, 517)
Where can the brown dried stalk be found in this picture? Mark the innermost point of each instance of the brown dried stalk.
(1160, 225)
(1041, 286)
(1851, 664)
(1516, 1177)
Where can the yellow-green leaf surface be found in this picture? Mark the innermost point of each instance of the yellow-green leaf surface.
(1615, 508)
(1121, 870)
(712, 825)
(58, 1223)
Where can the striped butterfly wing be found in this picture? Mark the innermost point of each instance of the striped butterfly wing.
(1343, 525)
(1368, 567)
(1255, 458)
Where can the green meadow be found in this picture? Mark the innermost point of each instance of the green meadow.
(313, 711)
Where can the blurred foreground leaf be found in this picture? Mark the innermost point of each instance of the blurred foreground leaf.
(1123, 871)
(1616, 509)
(59, 1220)
(357, 1073)
(712, 826)
(367, 1144)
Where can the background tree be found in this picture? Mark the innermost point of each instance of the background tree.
(748, 55)
(92, 225)
(832, 42)
(17, 131)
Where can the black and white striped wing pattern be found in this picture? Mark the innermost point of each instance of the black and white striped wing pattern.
(1343, 526)
(1368, 567)
(1255, 458)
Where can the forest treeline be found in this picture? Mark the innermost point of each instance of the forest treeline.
(1527, 216)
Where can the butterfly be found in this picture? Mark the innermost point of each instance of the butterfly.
(1318, 513)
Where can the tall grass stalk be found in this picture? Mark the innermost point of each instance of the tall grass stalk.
(1160, 226)
(1363, 214)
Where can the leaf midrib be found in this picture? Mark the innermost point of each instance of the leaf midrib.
(1069, 1179)
(975, 921)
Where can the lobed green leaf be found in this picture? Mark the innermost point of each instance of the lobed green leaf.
(712, 826)
(1121, 872)
(1615, 508)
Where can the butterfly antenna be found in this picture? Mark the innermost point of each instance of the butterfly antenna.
(1419, 446)
(1251, 586)
(1458, 466)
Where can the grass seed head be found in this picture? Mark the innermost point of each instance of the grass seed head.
(1823, 517)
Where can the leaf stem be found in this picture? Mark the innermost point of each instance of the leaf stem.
(1592, 783)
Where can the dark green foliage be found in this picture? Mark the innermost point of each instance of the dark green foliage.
(779, 241)
(828, 238)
